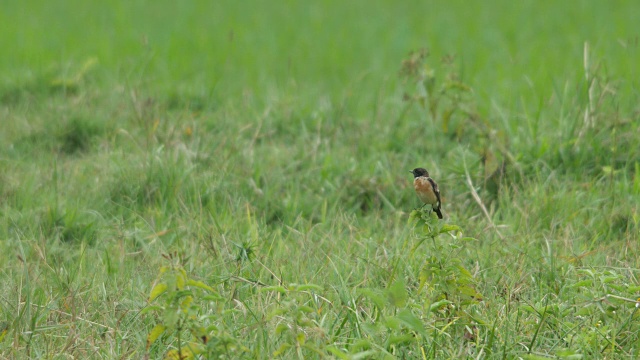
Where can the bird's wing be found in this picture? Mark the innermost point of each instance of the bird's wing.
(435, 190)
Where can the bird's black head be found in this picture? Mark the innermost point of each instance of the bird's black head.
(417, 172)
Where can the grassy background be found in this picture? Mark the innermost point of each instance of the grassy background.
(269, 143)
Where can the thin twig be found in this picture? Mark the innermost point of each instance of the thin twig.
(476, 197)
(252, 282)
(271, 272)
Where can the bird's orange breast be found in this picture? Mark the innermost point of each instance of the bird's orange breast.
(424, 190)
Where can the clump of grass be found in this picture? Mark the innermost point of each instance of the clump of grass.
(187, 317)
(68, 226)
(78, 135)
(75, 136)
(152, 185)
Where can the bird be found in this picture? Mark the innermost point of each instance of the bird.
(427, 190)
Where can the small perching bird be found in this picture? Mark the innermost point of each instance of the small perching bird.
(427, 190)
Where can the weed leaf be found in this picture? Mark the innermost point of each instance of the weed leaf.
(157, 290)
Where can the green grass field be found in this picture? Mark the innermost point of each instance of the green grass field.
(231, 179)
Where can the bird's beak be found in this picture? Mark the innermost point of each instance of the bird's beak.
(411, 171)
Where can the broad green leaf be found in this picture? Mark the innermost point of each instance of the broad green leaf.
(172, 355)
(478, 320)
(151, 308)
(339, 354)
(371, 329)
(195, 348)
(470, 291)
(184, 305)
(392, 322)
(284, 347)
(439, 305)
(633, 289)
(528, 308)
(618, 288)
(584, 311)
(411, 321)
(280, 328)
(585, 283)
(467, 238)
(185, 354)
(415, 214)
(568, 354)
(448, 227)
(374, 296)
(399, 339)
(369, 354)
(154, 334)
(397, 294)
(362, 343)
(181, 279)
(609, 279)
(306, 309)
(300, 338)
(199, 284)
(157, 290)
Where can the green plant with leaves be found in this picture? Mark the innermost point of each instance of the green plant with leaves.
(443, 274)
(188, 316)
(409, 315)
(296, 313)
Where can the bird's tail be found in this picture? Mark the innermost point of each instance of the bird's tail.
(438, 212)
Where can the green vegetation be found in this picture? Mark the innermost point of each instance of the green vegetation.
(230, 179)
